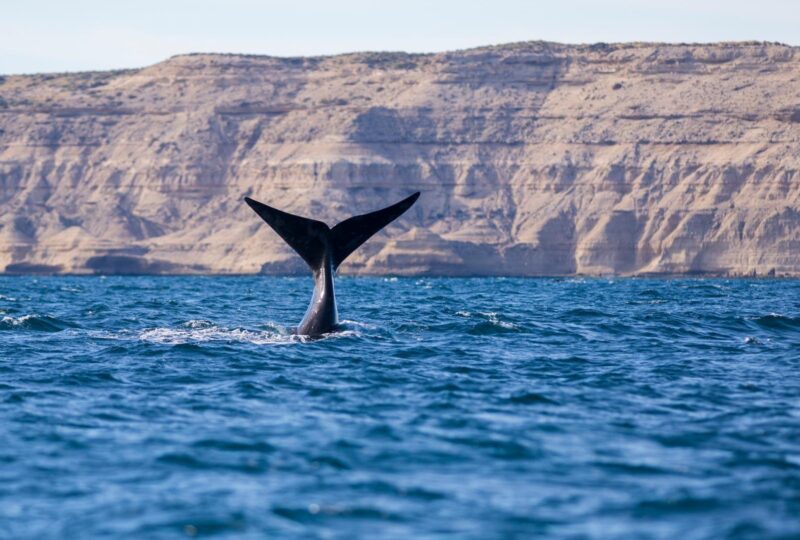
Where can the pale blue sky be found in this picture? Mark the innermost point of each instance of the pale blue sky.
(64, 35)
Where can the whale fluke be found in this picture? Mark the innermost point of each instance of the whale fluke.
(324, 249)
(351, 233)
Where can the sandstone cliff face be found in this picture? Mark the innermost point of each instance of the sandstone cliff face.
(533, 158)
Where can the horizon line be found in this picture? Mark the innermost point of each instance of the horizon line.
(623, 44)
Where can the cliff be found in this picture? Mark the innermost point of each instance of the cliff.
(533, 158)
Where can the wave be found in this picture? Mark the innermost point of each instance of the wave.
(354, 328)
(204, 331)
(584, 313)
(488, 322)
(38, 323)
(774, 321)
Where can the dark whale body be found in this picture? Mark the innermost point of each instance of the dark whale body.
(324, 248)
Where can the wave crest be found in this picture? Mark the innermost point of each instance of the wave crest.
(39, 323)
(776, 321)
(488, 322)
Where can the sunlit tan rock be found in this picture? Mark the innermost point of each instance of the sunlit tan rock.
(533, 158)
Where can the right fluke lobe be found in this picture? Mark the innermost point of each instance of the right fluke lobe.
(351, 233)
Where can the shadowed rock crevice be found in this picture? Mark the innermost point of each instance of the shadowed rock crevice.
(134, 265)
(32, 268)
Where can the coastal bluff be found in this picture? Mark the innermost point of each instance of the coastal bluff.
(532, 158)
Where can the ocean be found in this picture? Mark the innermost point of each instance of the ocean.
(178, 407)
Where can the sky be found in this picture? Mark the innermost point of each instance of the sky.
(78, 35)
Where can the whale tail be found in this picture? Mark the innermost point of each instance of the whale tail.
(311, 238)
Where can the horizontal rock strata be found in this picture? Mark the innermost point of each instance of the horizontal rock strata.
(533, 159)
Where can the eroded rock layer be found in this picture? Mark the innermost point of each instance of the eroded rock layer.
(533, 158)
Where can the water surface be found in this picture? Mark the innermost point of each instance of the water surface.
(146, 407)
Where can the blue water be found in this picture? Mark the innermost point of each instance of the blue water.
(146, 407)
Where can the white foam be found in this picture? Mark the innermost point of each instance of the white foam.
(69, 289)
(348, 324)
(206, 334)
(494, 318)
(203, 331)
(198, 324)
(18, 321)
(490, 316)
(12, 321)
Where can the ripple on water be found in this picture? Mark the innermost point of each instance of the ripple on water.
(562, 408)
